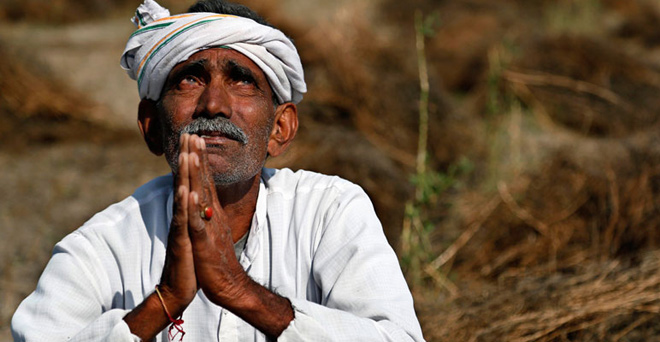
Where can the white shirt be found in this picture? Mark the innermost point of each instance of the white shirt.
(314, 239)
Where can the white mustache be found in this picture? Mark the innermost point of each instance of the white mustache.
(217, 124)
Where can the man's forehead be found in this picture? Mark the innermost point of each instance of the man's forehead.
(220, 57)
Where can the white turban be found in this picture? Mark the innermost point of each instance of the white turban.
(162, 41)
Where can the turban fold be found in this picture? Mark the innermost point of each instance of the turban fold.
(162, 41)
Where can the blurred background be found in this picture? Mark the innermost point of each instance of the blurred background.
(527, 211)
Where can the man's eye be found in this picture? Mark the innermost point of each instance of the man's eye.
(246, 81)
(189, 79)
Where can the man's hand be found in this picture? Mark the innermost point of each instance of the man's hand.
(178, 283)
(218, 272)
(200, 255)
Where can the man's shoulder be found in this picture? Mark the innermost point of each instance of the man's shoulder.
(314, 193)
(157, 187)
(147, 202)
(289, 182)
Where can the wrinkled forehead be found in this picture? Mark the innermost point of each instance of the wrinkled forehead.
(220, 58)
(228, 63)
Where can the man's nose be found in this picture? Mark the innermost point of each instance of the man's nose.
(215, 100)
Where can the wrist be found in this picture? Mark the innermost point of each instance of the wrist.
(170, 302)
(233, 291)
(175, 326)
(263, 309)
(147, 319)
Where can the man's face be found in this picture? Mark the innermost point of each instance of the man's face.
(222, 96)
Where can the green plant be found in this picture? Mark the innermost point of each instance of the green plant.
(416, 248)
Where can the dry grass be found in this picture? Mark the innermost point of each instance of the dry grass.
(58, 167)
(608, 301)
(553, 236)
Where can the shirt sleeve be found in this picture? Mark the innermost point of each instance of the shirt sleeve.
(364, 294)
(67, 304)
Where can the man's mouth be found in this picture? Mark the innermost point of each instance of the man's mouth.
(211, 134)
(215, 139)
(216, 131)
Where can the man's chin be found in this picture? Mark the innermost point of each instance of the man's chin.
(225, 168)
(233, 174)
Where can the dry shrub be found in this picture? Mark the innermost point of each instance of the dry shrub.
(550, 240)
(587, 86)
(608, 301)
(42, 109)
(585, 194)
(590, 164)
(564, 210)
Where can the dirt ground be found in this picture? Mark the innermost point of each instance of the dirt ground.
(541, 211)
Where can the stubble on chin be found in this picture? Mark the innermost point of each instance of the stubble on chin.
(249, 160)
(247, 163)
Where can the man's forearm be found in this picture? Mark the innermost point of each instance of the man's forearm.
(149, 318)
(263, 309)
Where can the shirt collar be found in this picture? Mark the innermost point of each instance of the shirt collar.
(259, 222)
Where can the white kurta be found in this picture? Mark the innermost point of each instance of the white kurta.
(314, 239)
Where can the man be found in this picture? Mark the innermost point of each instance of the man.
(222, 249)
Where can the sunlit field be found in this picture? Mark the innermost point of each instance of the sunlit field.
(528, 214)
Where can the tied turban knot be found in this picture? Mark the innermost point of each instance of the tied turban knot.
(162, 41)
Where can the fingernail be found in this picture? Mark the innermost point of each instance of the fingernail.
(196, 160)
(195, 198)
(181, 191)
(203, 144)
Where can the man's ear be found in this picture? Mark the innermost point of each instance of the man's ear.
(284, 129)
(150, 126)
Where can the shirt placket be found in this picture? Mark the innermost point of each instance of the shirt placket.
(230, 324)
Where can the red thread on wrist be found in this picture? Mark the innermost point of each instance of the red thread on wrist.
(176, 323)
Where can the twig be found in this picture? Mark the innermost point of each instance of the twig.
(607, 270)
(451, 251)
(519, 211)
(423, 99)
(570, 209)
(565, 82)
(406, 230)
(542, 116)
(632, 326)
(442, 280)
(609, 235)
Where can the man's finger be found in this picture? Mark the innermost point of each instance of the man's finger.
(199, 197)
(199, 179)
(207, 177)
(182, 188)
(198, 233)
(202, 183)
(179, 226)
(183, 150)
(178, 260)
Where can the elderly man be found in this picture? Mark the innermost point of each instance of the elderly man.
(222, 249)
